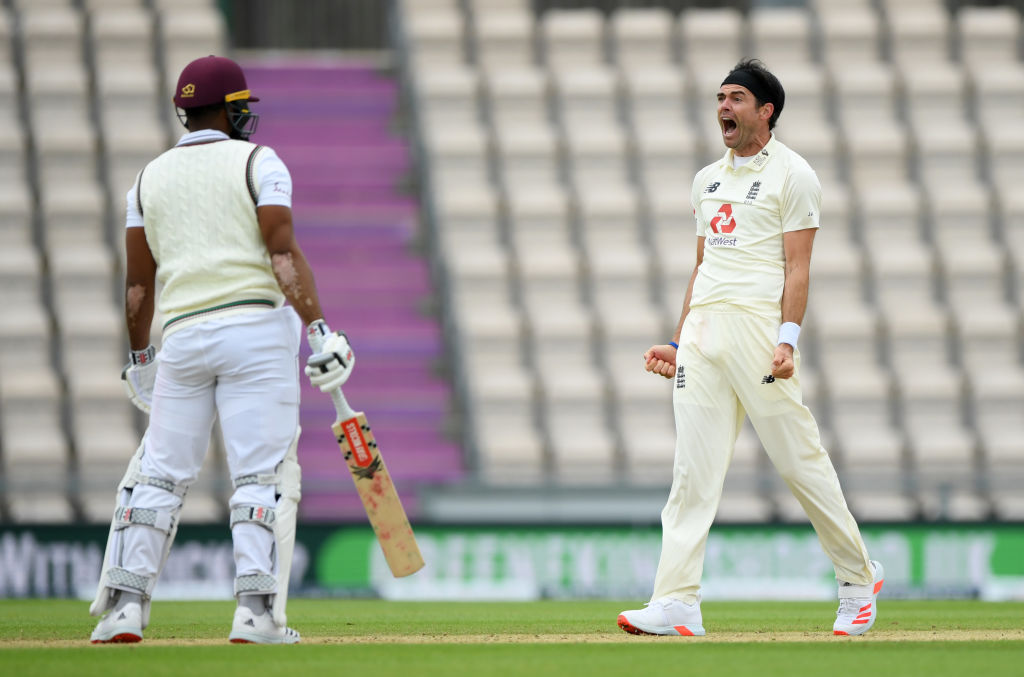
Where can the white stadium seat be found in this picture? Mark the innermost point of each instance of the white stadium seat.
(780, 36)
(850, 33)
(712, 40)
(516, 95)
(572, 37)
(988, 35)
(642, 36)
(655, 94)
(918, 32)
(504, 38)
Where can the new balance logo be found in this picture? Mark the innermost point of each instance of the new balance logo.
(712, 187)
(680, 376)
(768, 379)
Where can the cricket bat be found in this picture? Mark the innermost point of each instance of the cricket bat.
(375, 488)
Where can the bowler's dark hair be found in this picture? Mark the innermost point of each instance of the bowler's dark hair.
(766, 88)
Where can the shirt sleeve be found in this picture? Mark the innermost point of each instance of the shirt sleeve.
(273, 180)
(133, 218)
(801, 201)
(695, 193)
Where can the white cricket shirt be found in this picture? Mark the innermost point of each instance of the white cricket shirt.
(742, 213)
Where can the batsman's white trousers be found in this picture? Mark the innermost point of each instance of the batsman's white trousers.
(244, 368)
(724, 354)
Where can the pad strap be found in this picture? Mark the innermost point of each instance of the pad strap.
(126, 580)
(125, 516)
(246, 480)
(253, 513)
(178, 490)
(255, 584)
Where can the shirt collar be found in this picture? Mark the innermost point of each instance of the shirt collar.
(759, 161)
(201, 136)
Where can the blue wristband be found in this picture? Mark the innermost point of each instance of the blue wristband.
(674, 344)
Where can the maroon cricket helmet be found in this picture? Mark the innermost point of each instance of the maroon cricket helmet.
(209, 80)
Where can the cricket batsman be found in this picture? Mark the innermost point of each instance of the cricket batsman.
(211, 220)
(734, 354)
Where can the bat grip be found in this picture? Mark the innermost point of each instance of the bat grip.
(341, 405)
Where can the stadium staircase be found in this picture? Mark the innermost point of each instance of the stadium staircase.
(332, 124)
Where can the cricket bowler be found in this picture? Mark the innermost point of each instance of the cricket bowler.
(734, 354)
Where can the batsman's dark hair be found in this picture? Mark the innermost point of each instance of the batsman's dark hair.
(766, 88)
(243, 122)
(201, 114)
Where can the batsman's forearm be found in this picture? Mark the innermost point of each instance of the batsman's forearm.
(139, 287)
(138, 312)
(295, 278)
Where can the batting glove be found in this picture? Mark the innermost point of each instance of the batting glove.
(138, 377)
(332, 360)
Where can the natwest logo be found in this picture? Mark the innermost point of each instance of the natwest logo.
(357, 443)
(723, 221)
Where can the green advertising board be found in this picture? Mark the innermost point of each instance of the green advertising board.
(742, 562)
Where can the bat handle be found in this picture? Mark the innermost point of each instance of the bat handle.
(341, 405)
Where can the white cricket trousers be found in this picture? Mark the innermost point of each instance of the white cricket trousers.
(244, 368)
(724, 354)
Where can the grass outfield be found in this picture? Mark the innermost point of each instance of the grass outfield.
(413, 639)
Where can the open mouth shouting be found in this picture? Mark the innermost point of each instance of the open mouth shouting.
(729, 127)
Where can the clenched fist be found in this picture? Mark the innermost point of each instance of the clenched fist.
(661, 360)
(782, 361)
(332, 360)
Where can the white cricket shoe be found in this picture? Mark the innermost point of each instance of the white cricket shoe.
(120, 626)
(858, 605)
(664, 616)
(248, 628)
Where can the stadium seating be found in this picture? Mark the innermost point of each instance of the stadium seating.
(84, 102)
(598, 122)
(89, 123)
(558, 150)
(641, 37)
